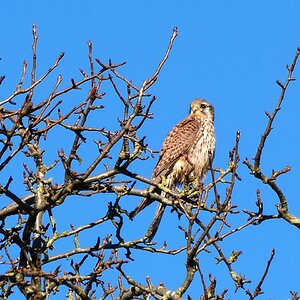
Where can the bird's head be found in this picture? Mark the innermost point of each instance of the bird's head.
(202, 108)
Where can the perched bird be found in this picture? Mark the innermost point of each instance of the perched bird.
(185, 157)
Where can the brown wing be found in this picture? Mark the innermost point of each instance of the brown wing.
(178, 142)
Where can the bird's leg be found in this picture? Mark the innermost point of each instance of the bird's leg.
(189, 185)
(188, 178)
(163, 181)
(195, 184)
(186, 186)
(192, 186)
(164, 184)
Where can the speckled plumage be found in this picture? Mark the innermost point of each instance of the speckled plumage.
(186, 152)
(187, 149)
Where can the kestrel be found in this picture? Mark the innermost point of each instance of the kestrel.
(185, 157)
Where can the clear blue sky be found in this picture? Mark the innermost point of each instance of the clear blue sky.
(230, 52)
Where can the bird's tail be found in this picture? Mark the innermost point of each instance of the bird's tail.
(156, 221)
(158, 213)
(143, 204)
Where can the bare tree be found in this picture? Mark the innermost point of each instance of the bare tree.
(95, 160)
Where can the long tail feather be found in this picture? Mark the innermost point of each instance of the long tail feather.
(143, 204)
(156, 221)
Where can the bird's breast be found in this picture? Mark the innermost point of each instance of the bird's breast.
(203, 150)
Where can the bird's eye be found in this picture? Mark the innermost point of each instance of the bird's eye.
(203, 106)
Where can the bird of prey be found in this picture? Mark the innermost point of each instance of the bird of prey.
(185, 157)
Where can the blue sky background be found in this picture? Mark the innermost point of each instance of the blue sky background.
(229, 52)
